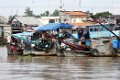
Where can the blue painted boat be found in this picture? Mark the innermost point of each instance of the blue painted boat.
(97, 31)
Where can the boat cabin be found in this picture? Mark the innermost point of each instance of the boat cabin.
(97, 31)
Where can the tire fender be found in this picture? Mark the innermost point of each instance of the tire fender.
(95, 52)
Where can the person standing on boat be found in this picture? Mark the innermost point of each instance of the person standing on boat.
(27, 43)
(13, 44)
(8, 39)
(86, 41)
(43, 37)
(80, 33)
(85, 36)
(86, 33)
(66, 34)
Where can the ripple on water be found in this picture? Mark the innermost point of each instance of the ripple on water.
(58, 68)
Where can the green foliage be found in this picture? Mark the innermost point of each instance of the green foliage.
(42, 14)
(28, 12)
(47, 13)
(55, 13)
(103, 14)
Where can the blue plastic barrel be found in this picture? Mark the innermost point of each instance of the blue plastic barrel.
(115, 44)
(87, 42)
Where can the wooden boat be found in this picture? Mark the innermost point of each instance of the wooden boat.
(35, 46)
(91, 47)
(98, 48)
(37, 50)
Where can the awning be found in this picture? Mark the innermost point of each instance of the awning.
(82, 24)
(54, 26)
(22, 35)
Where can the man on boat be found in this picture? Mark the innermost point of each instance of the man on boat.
(80, 33)
(27, 43)
(86, 33)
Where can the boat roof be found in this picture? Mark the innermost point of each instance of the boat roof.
(22, 35)
(54, 26)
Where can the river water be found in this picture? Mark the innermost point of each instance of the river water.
(58, 68)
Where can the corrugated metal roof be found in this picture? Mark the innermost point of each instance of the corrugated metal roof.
(76, 13)
(50, 17)
(28, 20)
(83, 24)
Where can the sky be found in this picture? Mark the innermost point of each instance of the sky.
(12, 7)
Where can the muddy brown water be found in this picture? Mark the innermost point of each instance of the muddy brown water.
(58, 68)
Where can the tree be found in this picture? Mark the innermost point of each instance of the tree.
(103, 15)
(42, 14)
(28, 12)
(47, 13)
(55, 13)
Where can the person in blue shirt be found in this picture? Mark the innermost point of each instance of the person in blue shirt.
(80, 33)
(66, 34)
(86, 33)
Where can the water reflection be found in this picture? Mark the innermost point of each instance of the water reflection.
(59, 68)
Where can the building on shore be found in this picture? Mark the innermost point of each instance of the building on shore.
(49, 19)
(113, 20)
(5, 29)
(116, 21)
(76, 18)
(21, 23)
(73, 16)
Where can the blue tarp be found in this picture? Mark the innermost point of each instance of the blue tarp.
(36, 28)
(22, 35)
(54, 26)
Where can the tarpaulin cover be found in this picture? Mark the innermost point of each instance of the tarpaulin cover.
(54, 26)
(22, 35)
